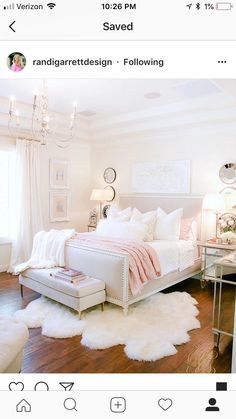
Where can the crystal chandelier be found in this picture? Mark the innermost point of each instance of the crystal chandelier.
(41, 125)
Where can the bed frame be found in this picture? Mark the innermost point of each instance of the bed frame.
(113, 267)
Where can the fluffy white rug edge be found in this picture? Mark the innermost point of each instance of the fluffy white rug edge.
(150, 331)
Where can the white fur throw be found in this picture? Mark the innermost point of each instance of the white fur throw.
(48, 250)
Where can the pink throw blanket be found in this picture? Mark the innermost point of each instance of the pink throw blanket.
(143, 263)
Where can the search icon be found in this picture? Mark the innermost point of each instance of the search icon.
(70, 404)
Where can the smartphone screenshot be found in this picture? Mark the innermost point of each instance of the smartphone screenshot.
(117, 209)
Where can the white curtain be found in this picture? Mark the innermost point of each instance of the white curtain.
(28, 211)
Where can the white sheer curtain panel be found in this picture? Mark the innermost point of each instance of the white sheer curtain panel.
(28, 201)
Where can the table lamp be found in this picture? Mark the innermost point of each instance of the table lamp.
(229, 194)
(100, 195)
(214, 203)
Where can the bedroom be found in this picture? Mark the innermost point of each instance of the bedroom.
(182, 130)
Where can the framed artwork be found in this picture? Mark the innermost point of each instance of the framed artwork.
(59, 176)
(59, 206)
(167, 177)
(93, 216)
(109, 175)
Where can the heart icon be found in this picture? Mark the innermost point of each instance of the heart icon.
(165, 404)
(16, 386)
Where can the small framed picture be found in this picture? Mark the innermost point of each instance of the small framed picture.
(59, 176)
(93, 216)
(59, 206)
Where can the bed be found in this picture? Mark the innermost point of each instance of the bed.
(113, 267)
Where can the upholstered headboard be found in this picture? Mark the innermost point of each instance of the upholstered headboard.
(192, 205)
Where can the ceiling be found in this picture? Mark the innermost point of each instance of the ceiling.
(106, 97)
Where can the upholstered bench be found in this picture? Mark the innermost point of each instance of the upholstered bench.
(85, 294)
(13, 337)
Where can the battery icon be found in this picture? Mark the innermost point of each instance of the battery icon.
(224, 6)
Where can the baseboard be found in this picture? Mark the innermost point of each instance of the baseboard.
(4, 268)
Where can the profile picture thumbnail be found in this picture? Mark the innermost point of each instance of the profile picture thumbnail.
(16, 61)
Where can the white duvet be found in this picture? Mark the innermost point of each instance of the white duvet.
(174, 255)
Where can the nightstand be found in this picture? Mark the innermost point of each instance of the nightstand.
(223, 266)
(210, 253)
(91, 228)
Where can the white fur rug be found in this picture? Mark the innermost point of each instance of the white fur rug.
(148, 333)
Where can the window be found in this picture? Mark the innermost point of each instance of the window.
(6, 191)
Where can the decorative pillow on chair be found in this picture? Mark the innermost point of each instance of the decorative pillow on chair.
(148, 218)
(168, 225)
(122, 230)
(115, 214)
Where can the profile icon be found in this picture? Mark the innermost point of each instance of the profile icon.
(212, 406)
(16, 62)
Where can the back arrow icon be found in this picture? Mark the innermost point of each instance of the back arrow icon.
(10, 26)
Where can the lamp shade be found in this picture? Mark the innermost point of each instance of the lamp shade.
(213, 202)
(229, 194)
(99, 195)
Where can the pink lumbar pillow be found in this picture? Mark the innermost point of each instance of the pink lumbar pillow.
(188, 229)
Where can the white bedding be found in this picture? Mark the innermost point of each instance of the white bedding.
(174, 255)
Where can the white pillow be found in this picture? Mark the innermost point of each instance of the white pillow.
(148, 218)
(168, 225)
(123, 230)
(114, 214)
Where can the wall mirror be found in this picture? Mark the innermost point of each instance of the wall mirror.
(112, 193)
(228, 173)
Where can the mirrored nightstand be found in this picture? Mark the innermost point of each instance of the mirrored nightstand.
(225, 274)
(210, 253)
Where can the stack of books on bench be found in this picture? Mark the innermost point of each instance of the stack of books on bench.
(70, 275)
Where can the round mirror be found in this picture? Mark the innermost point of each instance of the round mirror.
(228, 173)
(112, 193)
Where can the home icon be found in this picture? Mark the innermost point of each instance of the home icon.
(23, 407)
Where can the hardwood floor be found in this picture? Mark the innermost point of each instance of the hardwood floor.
(43, 355)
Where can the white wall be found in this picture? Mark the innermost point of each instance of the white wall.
(207, 148)
(78, 155)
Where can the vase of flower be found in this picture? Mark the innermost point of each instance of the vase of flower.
(227, 226)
